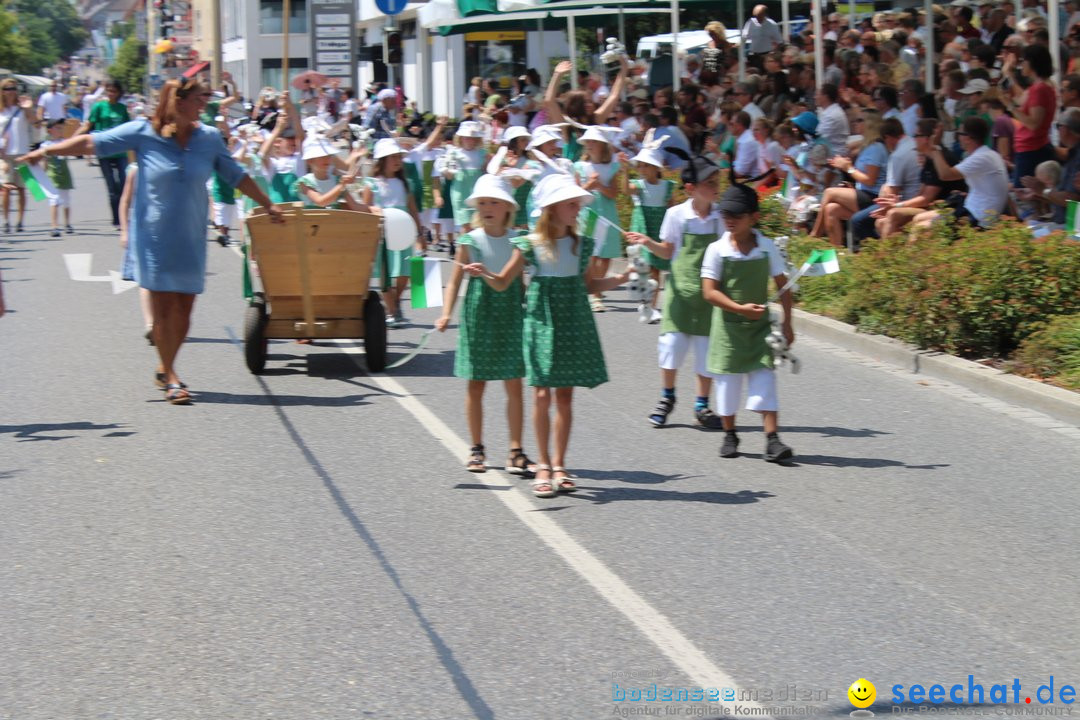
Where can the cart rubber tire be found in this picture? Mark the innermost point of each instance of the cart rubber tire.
(374, 333)
(255, 341)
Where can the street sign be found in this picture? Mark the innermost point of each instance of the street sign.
(391, 7)
(333, 40)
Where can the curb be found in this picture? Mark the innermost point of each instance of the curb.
(1059, 404)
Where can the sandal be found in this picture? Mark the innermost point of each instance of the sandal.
(597, 304)
(658, 417)
(476, 460)
(519, 463)
(563, 484)
(162, 384)
(543, 487)
(177, 394)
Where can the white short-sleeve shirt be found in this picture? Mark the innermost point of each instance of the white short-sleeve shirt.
(747, 153)
(988, 184)
(724, 250)
(53, 104)
(682, 219)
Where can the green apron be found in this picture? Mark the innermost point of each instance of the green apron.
(283, 188)
(415, 185)
(685, 308)
(460, 192)
(425, 179)
(737, 343)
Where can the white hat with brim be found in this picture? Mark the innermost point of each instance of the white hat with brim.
(559, 188)
(595, 133)
(514, 133)
(650, 157)
(470, 128)
(317, 148)
(545, 134)
(975, 85)
(491, 186)
(387, 147)
(386, 94)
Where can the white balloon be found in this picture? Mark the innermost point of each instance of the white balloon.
(399, 229)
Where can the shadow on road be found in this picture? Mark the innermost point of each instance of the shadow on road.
(604, 495)
(842, 462)
(278, 400)
(831, 431)
(641, 477)
(30, 432)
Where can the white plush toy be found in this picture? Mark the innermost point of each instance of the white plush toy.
(642, 287)
(780, 349)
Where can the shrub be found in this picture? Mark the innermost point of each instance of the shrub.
(1052, 351)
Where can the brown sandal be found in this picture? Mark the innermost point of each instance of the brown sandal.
(519, 463)
(477, 461)
(177, 394)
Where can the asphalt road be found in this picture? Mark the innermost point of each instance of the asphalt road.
(306, 544)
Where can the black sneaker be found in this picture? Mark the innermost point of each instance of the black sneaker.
(56, 232)
(707, 419)
(730, 447)
(775, 451)
(223, 240)
(663, 408)
(70, 230)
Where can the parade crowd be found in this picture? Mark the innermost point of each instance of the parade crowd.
(521, 191)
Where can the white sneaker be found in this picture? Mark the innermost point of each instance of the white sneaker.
(391, 321)
(656, 317)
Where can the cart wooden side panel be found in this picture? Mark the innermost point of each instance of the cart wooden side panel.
(315, 270)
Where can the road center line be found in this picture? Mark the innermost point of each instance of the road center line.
(652, 623)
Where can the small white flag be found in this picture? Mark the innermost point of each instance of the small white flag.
(592, 225)
(821, 262)
(425, 282)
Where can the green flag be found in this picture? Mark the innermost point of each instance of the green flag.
(821, 262)
(425, 282)
(1070, 216)
(592, 225)
(37, 182)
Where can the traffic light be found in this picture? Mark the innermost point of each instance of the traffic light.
(392, 47)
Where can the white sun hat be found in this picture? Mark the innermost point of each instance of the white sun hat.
(386, 94)
(557, 188)
(318, 147)
(650, 156)
(545, 134)
(514, 133)
(595, 133)
(387, 146)
(470, 128)
(491, 186)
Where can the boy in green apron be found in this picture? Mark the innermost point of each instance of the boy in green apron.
(735, 279)
(687, 230)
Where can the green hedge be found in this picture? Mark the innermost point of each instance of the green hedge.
(1053, 351)
(968, 292)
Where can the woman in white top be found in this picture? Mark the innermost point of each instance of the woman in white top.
(16, 117)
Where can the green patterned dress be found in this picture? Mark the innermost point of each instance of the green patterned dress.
(562, 345)
(650, 204)
(602, 206)
(282, 174)
(490, 335)
(470, 166)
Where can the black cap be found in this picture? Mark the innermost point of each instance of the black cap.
(739, 199)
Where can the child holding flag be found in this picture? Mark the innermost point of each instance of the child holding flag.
(387, 189)
(687, 230)
(490, 336)
(60, 174)
(596, 173)
(651, 195)
(562, 345)
(321, 187)
(735, 278)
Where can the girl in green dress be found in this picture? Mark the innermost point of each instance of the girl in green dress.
(651, 195)
(387, 189)
(489, 339)
(464, 164)
(321, 188)
(562, 345)
(280, 152)
(735, 276)
(512, 161)
(597, 173)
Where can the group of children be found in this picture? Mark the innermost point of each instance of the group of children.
(715, 301)
(522, 208)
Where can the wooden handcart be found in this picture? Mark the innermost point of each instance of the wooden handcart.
(315, 270)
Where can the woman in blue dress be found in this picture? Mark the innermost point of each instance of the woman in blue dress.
(176, 156)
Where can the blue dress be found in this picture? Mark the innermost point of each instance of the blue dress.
(170, 206)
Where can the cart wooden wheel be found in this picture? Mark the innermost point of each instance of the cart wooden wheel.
(374, 332)
(255, 341)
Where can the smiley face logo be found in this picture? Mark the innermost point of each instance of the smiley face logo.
(862, 693)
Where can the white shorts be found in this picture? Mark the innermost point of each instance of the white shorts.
(62, 199)
(449, 225)
(672, 348)
(224, 214)
(760, 394)
(430, 218)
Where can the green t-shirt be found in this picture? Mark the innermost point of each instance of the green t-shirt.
(105, 115)
(210, 112)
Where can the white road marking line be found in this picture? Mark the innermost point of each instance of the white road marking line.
(78, 268)
(652, 623)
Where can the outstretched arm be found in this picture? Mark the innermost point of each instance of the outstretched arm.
(615, 95)
(551, 103)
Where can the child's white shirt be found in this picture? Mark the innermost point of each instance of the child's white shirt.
(724, 250)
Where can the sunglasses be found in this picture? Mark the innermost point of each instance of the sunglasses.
(918, 135)
(961, 133)
(858, 120)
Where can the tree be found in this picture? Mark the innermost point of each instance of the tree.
(63, 25)
(14, 47)
(130, 65)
